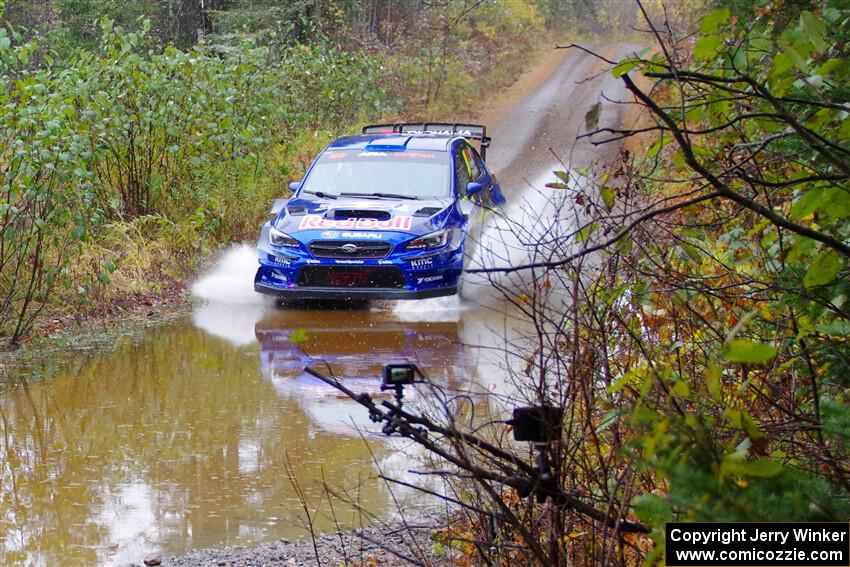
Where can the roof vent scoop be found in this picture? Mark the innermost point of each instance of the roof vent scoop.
(357, 214)
(427, 212)
(388, 144)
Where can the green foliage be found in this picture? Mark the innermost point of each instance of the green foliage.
(160, 122)
(281, 23)
(746, 351)
(299, 336)
(823, 269)
(446, 55)
(116, 134)
(325, 85)
(194, 138)
(728, 320)
(509, 18)
(602, 17)
(40, 220)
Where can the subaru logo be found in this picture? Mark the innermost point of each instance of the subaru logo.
(349, 248)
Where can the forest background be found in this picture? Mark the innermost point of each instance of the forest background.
(704, 366)
(135, 137)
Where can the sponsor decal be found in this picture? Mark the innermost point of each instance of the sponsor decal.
(463, 133)
(330, 234)
(349, 279)
(310, 261)
(400, 155)
(278, 276)
(358, 235)
(348, 261)
(420, 263)
(385, 262)
(416, 155)
(427, 279)
(285, 262)
(334, 155)
(319, 222)
(371, 204)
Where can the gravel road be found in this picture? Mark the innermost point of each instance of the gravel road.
(388, 545)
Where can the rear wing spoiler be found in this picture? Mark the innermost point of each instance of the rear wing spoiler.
(468, 131)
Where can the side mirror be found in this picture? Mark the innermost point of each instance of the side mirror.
(473, 188)
(294, 186)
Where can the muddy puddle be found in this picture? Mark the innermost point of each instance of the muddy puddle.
(190, 436)
(203, 432)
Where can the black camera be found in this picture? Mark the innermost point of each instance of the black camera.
(399, 375)
(537, 424)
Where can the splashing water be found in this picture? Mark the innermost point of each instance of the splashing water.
(533, 228)
(231, 280)
(231, 307)
(436, 309)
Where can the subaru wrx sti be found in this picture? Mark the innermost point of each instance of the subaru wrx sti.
(382, 215)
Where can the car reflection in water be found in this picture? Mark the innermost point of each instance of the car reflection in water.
(353, 346)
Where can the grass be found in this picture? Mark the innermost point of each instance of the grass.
(47, 354)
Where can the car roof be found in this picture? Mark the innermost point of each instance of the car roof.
(414, 142)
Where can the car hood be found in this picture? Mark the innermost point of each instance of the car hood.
(359, 214)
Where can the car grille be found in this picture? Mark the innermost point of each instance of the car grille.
(356, 249)
(350, 276)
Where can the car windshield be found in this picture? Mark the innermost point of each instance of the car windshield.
(406, 175)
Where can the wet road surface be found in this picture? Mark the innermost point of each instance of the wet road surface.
(189, 437)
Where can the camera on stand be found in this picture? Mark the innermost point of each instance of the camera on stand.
(537, 424)
(398, 375)
(541, 426)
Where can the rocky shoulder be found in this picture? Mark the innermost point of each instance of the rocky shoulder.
(396, 544)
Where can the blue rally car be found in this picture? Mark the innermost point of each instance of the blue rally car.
(383, 215)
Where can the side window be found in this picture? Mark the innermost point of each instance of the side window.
(479, 163)
(471, 165)
(462, 170)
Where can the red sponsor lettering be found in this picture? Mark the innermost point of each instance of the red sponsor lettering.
(347, 223)
(418, 155)
(317, 222)
(349, 279)
(310, 221)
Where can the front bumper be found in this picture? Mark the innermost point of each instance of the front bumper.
(392, 278)
(352, 293)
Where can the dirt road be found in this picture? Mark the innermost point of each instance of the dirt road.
(544, 122)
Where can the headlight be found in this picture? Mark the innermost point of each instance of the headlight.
(278, 238)
(434, 240)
